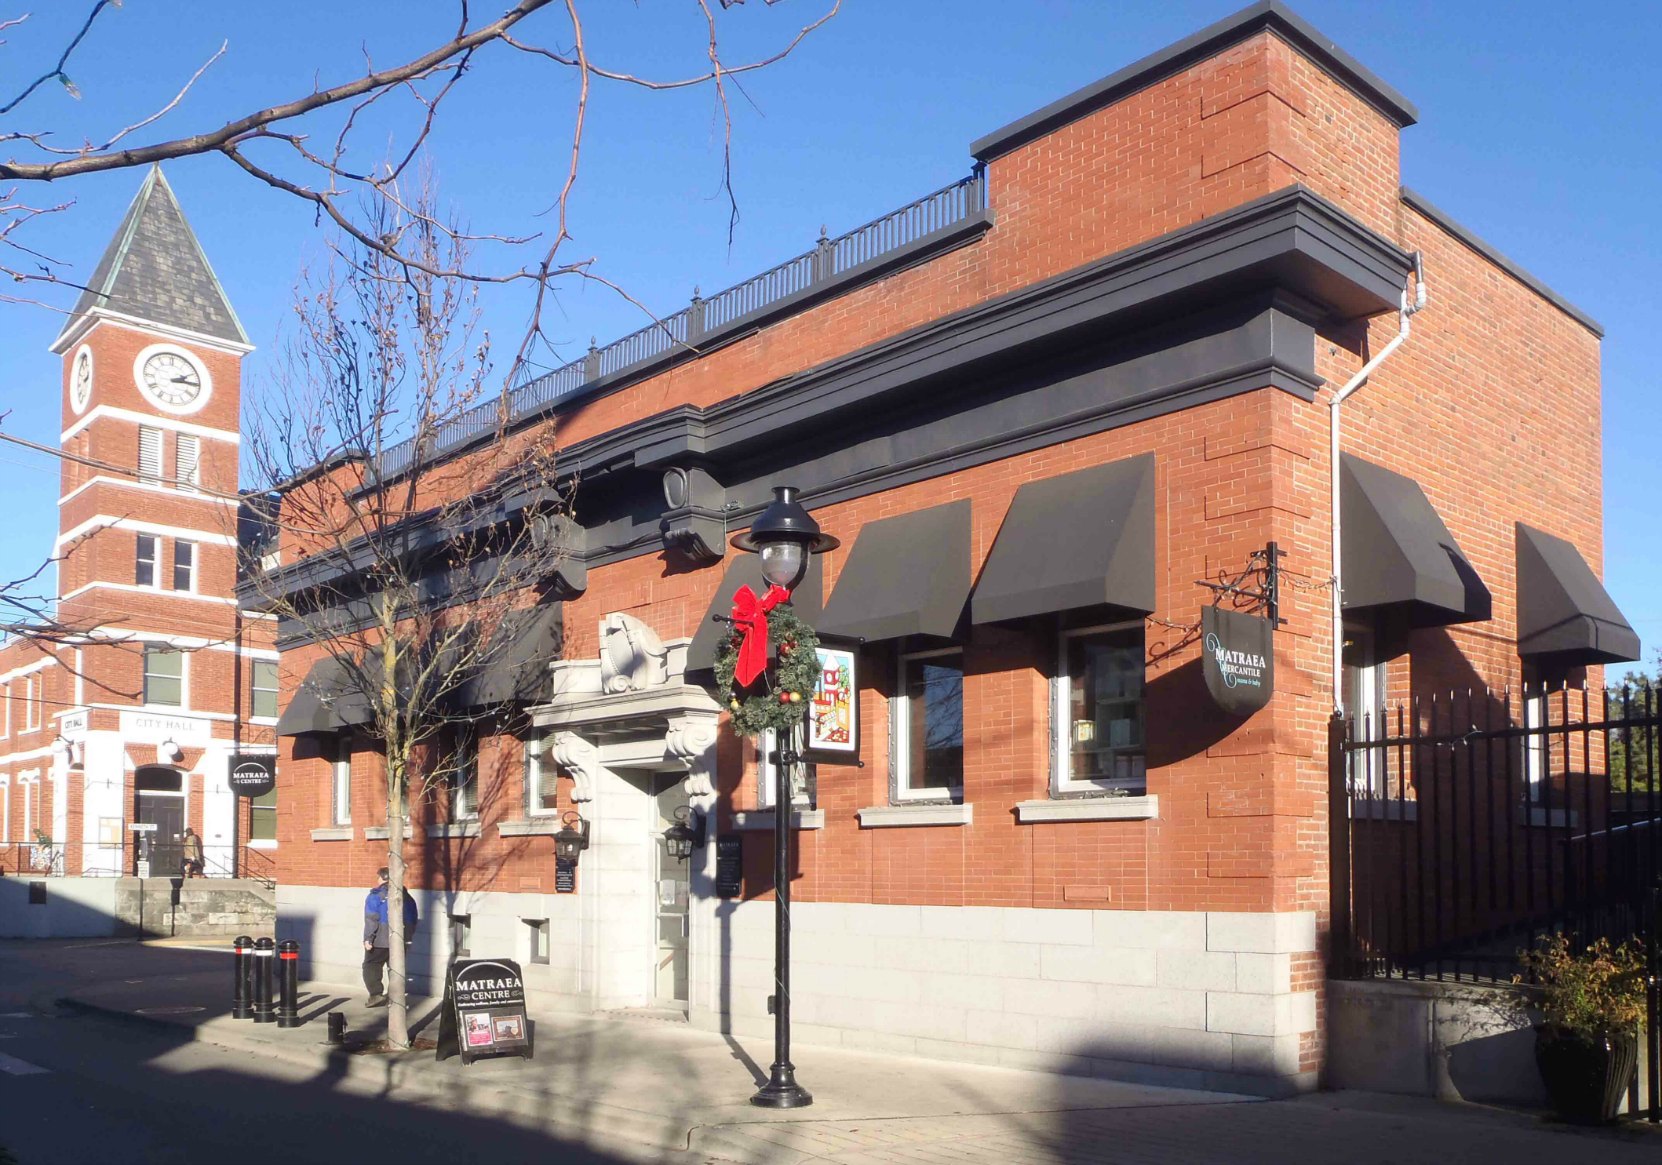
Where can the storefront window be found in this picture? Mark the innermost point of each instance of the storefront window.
(927, 722)
(1099, 711)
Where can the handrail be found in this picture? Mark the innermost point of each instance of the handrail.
(830, 259)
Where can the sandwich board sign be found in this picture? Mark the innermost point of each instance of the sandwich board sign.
(484, 1011)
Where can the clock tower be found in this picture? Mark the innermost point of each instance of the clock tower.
(164, 682)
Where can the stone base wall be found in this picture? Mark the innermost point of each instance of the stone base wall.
(1190, 999)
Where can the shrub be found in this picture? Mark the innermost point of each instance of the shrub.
(1596, 991)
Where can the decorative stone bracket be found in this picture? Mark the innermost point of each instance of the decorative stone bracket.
(691, 739)
(577, 756)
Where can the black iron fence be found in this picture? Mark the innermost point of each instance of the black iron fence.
(1466, 826)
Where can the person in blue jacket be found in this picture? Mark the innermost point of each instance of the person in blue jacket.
(378, 938)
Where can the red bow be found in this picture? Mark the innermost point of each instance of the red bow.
(750, 615)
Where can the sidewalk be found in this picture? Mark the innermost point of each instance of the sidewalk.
(611, 1081)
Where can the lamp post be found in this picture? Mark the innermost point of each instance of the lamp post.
(783, 536)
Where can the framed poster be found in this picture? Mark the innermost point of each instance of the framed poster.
(833, 722)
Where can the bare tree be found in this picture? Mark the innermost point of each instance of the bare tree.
(409, 570)
(302, 146)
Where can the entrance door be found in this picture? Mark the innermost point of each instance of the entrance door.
(161, 803)
(671, 884)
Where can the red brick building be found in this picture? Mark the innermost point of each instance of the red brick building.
(1035, 407)
(134, 722)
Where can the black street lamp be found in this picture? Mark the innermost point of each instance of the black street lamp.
(783, 535)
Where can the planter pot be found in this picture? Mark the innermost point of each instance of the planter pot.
(1585, 1075)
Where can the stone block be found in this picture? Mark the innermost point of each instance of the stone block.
(1058, 927)
(1160, 1006)
(1001, 1029)
(1181, 930)
(1123, 965)
(1038, 997)
(1284, 933)
(974, 923)
(1261, 1015)
(1195, 970)
(1266, 1055)
(1263, 974)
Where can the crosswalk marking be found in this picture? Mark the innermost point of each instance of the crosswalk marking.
(12, 1066)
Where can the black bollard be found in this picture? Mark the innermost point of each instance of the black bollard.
(337, 1028)
(242, 958)
(288, 983)
(264, 949)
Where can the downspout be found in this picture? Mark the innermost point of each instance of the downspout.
(1407, 309)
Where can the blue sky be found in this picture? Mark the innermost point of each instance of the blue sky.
(1537, 130)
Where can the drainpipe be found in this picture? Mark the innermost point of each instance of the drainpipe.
(1408, 307)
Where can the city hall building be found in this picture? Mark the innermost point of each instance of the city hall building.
(1039, 409)
(118, 727)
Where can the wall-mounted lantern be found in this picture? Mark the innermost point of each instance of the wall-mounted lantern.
(573, 837)
(684, 836)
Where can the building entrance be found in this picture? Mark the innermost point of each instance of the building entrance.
(671, 884)
(161, 802)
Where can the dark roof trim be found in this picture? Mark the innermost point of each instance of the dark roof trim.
(1271, 15)
(1419, 202)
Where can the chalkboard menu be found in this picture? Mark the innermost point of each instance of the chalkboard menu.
(565, 875)
(484, 1011)
(729, 865)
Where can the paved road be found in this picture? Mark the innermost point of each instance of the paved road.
(77, 1089)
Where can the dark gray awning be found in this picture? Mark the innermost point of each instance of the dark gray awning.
(515, 666)
(1564, 613)
(327, 700)
(1084, 539)
(906, 575)
(1399, 558)
(746, 569)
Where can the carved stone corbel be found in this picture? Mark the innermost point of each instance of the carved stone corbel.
(694, 524)
(579, 757)
(632, 657)
(691, 740)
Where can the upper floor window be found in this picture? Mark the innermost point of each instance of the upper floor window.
(927, 726)
(459, 773)
(184, 565)
(262, 687)
(164, 675)
(31, 703)
(149, 453)
(144, 560)
(262, 817)
(1099, 711)
(187, 461)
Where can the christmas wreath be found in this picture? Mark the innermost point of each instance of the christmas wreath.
(777, 704)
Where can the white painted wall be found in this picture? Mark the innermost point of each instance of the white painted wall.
(103, 785)
(75, 908)
(219, 834)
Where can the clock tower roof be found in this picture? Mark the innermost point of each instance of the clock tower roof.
(155, 270)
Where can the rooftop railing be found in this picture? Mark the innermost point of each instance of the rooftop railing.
(833, 261)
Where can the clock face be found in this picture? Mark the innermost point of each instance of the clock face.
(173, 378)
(80, 381)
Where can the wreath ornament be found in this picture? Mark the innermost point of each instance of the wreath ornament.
(771, 697)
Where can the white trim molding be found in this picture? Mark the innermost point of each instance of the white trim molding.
(138, 526)
(154, 420)
(746, 820)
(103, 315)
(889, 816)
(1146, 808)
(169, 491)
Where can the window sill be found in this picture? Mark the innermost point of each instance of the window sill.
(1384, 809)
(531, 827)
(382, 832)
(1145, 808)
(887, 816)
(333, 833)
(263, 843)
(755, 819)
(454, 829)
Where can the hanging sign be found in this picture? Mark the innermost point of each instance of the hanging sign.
(834, 712)
(1238, 659)
(484, 1011)
(252, 774)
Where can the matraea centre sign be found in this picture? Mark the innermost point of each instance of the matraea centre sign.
(1238, 659)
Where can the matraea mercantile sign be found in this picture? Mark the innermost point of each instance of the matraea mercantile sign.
(1238, 659)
